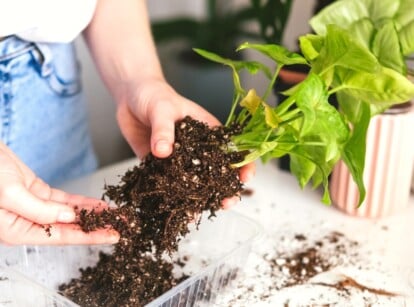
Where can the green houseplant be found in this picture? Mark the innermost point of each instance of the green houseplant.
(366, 71)
(386, 28)
(224, 26)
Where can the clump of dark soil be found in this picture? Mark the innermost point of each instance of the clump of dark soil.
(154, 204)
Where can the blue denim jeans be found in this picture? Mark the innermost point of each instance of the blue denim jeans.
(43, 115)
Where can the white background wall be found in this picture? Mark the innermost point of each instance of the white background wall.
(107, 138)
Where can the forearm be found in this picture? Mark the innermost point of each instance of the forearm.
(119, 38)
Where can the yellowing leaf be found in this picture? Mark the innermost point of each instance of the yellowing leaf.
(271, 118)
(251, 101)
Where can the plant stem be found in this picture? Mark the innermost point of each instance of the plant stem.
(233, 109)
(268, 135)
(272, 82)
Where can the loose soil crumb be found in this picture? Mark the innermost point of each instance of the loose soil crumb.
(155, 202)
(47, 229)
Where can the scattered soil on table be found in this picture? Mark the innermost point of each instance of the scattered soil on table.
(295, 260)
(154, 204)
(320, 256)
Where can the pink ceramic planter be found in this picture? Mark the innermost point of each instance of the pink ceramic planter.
(388, 167)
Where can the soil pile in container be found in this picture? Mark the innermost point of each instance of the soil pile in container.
(155, 202)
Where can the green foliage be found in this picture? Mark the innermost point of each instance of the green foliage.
(362, 70)
(386, 27)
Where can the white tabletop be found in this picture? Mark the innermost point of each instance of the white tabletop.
(383, 258)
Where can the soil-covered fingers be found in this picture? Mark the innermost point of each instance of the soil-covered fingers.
(15, 230)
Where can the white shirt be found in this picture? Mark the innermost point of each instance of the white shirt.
(45, 20)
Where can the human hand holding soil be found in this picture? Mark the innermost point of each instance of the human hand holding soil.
(31, 212)
(147, 115)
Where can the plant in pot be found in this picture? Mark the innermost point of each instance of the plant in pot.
(225, 24)
(156, 200)
(386, 28)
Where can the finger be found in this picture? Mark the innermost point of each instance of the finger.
(15, 230)
(44, 192)
(64, 234)
(162, 130)
(227, 203)
(71, 234)
(78, 201)
(18, 199)
(247, 172)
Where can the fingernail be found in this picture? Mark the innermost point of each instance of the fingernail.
(66, 217)
(162, 147)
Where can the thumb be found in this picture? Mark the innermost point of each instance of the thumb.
(19, 200)
(162, 131)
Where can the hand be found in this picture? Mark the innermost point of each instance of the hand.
(147, 115)
(33, 213)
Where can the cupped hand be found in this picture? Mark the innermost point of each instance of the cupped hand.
(31, 212)
(147, 114)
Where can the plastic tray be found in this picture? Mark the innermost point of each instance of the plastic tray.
(217, 251)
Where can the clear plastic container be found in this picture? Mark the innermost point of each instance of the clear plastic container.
(18, 291)
(217, 251)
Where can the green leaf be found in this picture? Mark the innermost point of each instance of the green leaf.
(341, 49)
(310, 45)
(363, 30)
(279, 54)
(349, 106)
(342, 13)
(309, 95)
(302, 168)
(405, 14)
(380, 10)
(406, 35)
(354, 152)
(386, 86)
(386, 47)
(379, 108)
(252, 66)
(304, 155)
